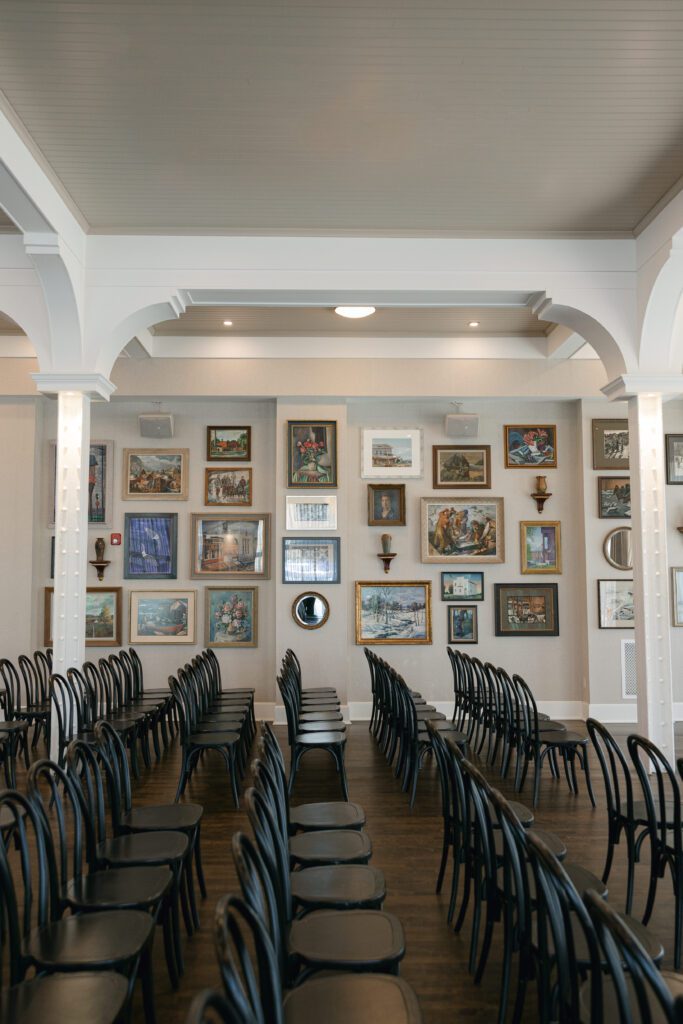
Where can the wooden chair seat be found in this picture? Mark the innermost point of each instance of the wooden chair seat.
(361, 998)
(315, 817)
(329, 939)
(144, 848)
(163, 817)
(338, 886)
(647, 939)
(523, 813)
(610, 1005)
(118, 888)
(213, 739)
(336, 846)
(323, 726)
(318, 739)
(99, 996)
(100, 940)
(561, 739)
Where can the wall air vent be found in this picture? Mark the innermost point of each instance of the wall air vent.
(629, 688)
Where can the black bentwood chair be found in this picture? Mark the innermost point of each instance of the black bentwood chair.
(330, 737)
(40, 939)
(253, 989)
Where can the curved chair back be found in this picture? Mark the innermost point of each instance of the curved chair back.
(209, 1007)
(615, 771)
(59, 804)
(251, 995)
(259, 895)
(661, 794)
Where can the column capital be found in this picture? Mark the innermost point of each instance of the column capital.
(94, 385)
(630, 384)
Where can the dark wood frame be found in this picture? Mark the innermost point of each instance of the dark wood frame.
(668, 439)
(401, 520)
(601, 479)
(227, 458)
(529, 426)
(462, 572)
(331, 426)
(47, 618)
(229, 469)
(499, 591)
(451, 609)
(485, 448)
(601, 461)
(173, 519)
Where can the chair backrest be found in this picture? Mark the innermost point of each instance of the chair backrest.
(250, 980)
(514, 860)
(620, 947)
(526, 704)
(90, 772)
(185, 703)
(34, 692)
(43, 663)
(70, 700)
(12, 687)
(484, 842)
(273, 847)
(209, 1007)
(28, 881)
(661, 794)
(115, 761)
(259, 895)
(139, 687)
(559, 905)
(615, 771)
(60, 805)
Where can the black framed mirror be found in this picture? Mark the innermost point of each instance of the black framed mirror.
(310, 610)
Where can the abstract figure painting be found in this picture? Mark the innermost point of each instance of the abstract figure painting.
(527, 447)
(463, 530)
(393, 613)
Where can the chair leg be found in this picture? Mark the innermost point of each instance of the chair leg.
(467, 885)
(169, 948)
(184, 773)
(454, 885)
(198, 862)
(189, 885)
(631, 869)
(537, 778)
(444, 856)
(587, 773)
(338, 754)
(147, 981)
(652, 888)
(297, 753)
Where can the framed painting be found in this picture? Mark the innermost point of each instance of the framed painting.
(150, 546)
(610, 444)
(463, 626)
(615, 604)
(526, 609)
(614, 497)
(102, 617)
(230, 544)
(541, 547)
(527, 447)
(100, 478)
(228, 486)
(391, 453)
(155, 474)
(311, 453)
(310, 511)
(394, 613)
(228, 444)
(460, 466)
(310, 559)
(386, 504)
(462, 530)
(462, 586)
(163, 616)
(231, 618)
(674, 458)
(677, 596)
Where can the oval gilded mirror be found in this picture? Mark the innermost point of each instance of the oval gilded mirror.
(310, 610)
(618, 548)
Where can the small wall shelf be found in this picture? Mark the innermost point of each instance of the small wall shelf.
(386, 559)
(100, 566)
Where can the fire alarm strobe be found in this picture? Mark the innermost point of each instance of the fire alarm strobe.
(115, 539)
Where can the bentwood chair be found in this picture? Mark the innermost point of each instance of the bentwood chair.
(330, 738)
(40, 939)
(362, 998)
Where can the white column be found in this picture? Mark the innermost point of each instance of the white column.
(71, 516)
(650, 563)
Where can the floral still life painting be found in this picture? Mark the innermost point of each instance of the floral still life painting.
(231, 616)
(312, 453)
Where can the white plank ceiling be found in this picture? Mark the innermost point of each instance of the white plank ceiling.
(260, 321)
(371, 116)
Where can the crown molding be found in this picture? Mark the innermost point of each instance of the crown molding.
(94, 385)
(631, 384)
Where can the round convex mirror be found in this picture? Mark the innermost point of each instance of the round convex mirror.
(310, 610)
(618, 549)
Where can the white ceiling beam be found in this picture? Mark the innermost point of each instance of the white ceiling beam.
(563, 343)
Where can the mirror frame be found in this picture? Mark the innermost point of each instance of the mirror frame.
(308, 625)
(605, 549)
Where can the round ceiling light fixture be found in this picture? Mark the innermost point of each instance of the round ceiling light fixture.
(354, 312)
(473, 323)
(227, 323)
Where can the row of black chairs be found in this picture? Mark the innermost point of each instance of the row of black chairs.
(399, 723)
(500, 712)
(85, 876)
(558, 929)
(310, 904)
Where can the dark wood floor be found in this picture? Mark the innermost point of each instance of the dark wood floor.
(406, 847)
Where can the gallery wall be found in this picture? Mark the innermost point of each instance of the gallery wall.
(578, 669)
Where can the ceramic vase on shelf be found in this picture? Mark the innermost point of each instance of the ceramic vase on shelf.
(99, 549)
(386, 543)
(541, 485)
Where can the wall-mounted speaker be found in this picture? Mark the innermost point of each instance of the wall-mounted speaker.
(156, 424)
(461, 424)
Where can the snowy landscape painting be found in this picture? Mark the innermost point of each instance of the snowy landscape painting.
(393, 613)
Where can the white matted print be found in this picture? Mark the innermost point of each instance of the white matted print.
(311, 511)
(677, 595)
(615, 604)
(391, 453)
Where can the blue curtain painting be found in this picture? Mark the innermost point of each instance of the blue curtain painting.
(151, 546)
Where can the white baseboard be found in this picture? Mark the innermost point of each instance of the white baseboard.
(559, 710)
(264, 710)
(626, 711)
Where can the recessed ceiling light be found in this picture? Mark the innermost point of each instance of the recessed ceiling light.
(227, 323)
(473, 323)
(354, 312)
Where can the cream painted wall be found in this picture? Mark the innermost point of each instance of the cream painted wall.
(118, 420)
(673, 424)
(17, 441)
